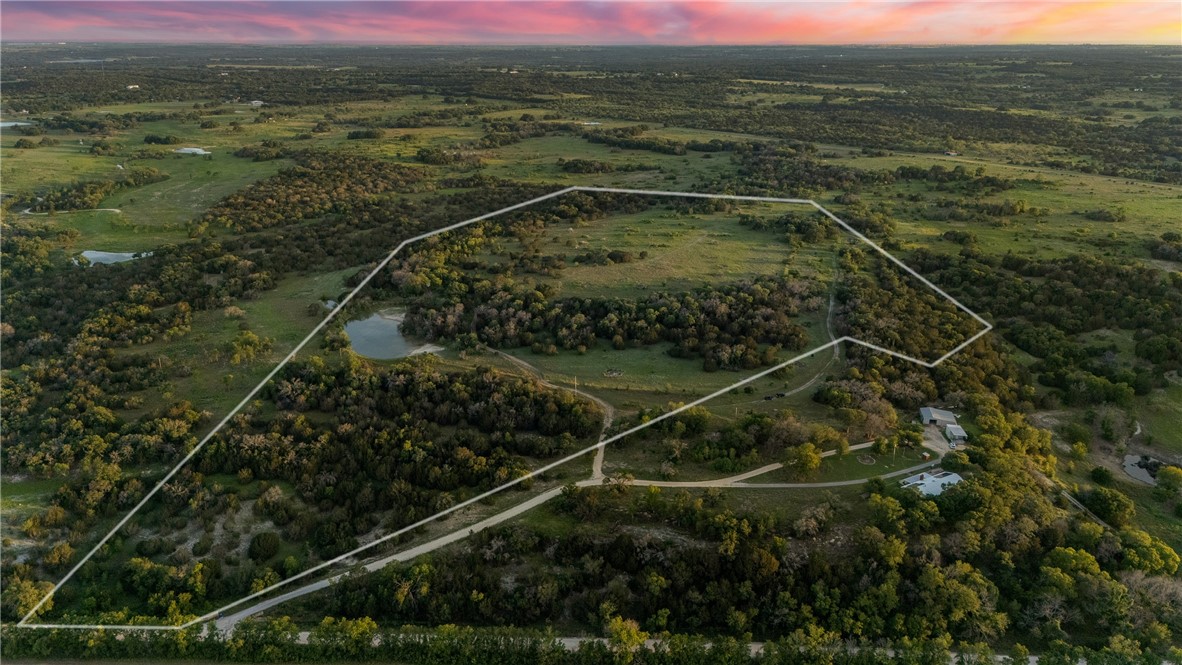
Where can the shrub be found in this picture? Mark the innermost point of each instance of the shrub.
(1101, 476)
(264, 546)
(365, 134)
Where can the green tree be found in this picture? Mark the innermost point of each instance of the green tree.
(1169, 478)
(625, 638)
(264, 545)
(803, 461)
(1110, 505)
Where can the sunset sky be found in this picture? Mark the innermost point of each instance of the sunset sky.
(601, 22)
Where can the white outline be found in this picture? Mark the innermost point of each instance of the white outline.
(23, 623)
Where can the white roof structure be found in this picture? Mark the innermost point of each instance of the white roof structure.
(929, 415)
(193, 151)
(956, 433)
(932, 484)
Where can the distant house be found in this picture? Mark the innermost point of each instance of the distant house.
(951, 153)
(932, 484)
(192, 151)
(955, 434)
(933, 416)
(256, 103)
(133, 87)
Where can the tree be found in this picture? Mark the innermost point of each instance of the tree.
(1110, 505)
(264, 546)
(886, 513)
(1169, 478)
(21, 595)
(803, 461)
(625, 638)
(344, 638)
(827, 438)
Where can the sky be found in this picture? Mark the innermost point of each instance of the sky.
(691, 22)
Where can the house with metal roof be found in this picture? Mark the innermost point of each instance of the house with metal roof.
(932, 484)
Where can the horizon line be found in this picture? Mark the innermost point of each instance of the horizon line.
(898, 45)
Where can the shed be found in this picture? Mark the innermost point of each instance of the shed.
(932, 416)
(955, 433)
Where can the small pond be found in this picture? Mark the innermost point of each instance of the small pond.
(380, 337)
(1135, 466)
(111, 257)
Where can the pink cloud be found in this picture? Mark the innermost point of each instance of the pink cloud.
(597, 22)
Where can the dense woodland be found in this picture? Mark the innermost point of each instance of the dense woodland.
(351, 449)
(337, 450)
(732, 326)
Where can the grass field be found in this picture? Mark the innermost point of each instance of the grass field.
(24, 496)
(1161, 416)
(850, 467)
(215, 384)
(787, 504)
(195, 184)
(683, 252)
(672, 252)
(536, 160)
(1152, 208)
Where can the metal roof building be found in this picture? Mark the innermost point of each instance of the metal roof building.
(955, 433)
(932, 484)
(933, 416)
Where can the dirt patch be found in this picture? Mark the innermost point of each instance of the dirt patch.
(1048, 419)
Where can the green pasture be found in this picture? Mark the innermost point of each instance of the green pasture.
(194, 185)
(31, 169)
(1160, 414)
(788, 504)
(214, 383)
(536, 160)
(682, 252)
(857, 465)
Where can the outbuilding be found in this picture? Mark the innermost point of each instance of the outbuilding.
(932, 416)
(955, 434)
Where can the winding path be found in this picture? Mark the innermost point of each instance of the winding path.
(609, 412)
(227, 623)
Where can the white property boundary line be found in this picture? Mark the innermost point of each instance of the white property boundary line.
(24, 622)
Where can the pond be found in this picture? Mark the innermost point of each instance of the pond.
(13, 123)
(95, 256)
(380, 337)
(1139, 466)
